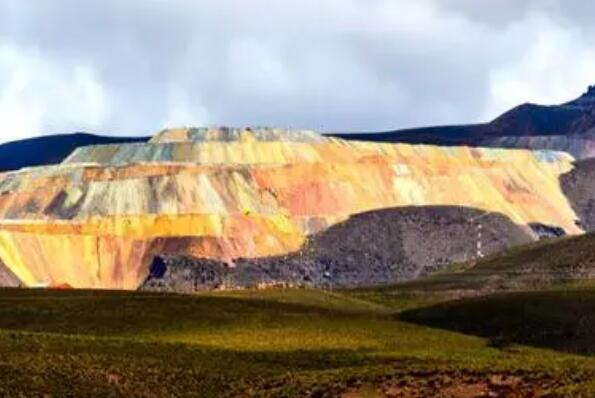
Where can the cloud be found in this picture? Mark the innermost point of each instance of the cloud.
(37, 94)
(131, 67)
(555, 67)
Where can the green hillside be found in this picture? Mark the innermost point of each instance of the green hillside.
(258, 343)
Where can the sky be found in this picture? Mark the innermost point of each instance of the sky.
(133, 67)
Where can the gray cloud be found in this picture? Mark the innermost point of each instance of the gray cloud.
(132, 67)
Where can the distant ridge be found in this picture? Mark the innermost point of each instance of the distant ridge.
(567, 127)
(51, 149)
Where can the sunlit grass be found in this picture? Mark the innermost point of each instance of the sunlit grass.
(270, 342)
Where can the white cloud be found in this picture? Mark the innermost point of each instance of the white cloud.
(181, 111)
(555, 67)
(38, 96)
(129, 67)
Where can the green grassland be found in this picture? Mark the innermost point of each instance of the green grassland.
(280, 343)
(518, 324)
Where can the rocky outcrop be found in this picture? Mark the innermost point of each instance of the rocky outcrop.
(224, 194)
(378, 247)
(372, 248)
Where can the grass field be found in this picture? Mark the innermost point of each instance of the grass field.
(286, 343)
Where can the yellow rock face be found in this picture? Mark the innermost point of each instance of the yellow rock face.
(98, 219)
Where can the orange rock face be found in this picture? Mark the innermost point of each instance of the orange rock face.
(98, 219)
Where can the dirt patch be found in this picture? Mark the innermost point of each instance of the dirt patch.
(457, 385)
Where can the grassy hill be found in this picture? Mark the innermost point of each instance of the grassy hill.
(415, 339)
(562, 320)
(259, 343)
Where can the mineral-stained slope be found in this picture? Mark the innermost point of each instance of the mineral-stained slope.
(98, 219)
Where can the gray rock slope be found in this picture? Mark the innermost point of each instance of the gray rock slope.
(371, 248)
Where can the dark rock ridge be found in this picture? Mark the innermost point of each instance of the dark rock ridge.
(372, 248)
(567, 127)
(51, 149)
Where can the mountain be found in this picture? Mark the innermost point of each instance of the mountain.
(572, 118)
(566, 127)
(50, 149)
(234, 195)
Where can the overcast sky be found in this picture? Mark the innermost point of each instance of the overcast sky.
(130, 67)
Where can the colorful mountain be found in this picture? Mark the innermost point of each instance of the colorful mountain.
(100, 218)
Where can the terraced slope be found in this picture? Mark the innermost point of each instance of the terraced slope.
(224, 194)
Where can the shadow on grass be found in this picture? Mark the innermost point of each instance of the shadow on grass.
(559, 320)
